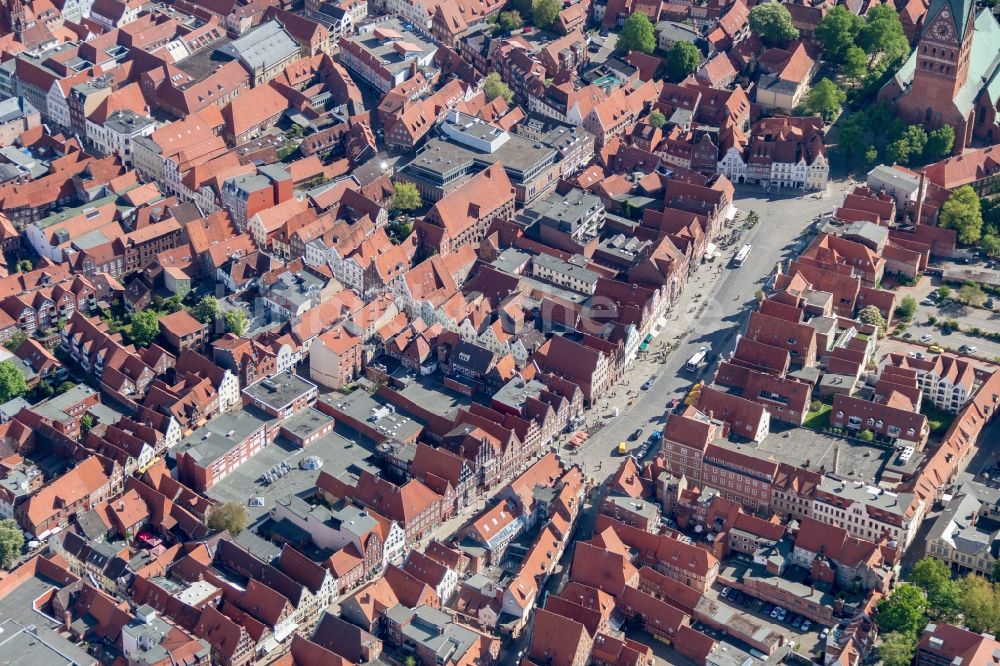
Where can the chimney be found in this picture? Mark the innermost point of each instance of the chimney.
(920, 198)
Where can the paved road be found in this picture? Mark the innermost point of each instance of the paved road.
(783, 220)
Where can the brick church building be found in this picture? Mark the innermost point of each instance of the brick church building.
(953, 75)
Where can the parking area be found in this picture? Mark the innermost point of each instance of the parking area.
(932, 308)
(743, 610)
(340, 450)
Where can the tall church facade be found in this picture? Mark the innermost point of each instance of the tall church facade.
(952, 77)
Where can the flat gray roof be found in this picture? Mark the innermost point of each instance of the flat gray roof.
(217, 437)
(263, 46)
(40, 645)
(305, 422)
(518, 154)
(279, 391)
(377, 413)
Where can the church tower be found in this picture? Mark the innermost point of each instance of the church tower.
(943, 51)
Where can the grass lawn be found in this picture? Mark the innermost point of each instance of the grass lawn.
(818, 420)
(938, 419)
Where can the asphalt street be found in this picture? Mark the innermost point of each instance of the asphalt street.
(711, 311)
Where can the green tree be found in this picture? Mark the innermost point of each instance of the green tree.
(871, 315)
(897, 648)
(904, 610)
(11, 541)
(682, 60)
(851, 137)
(207, 310)
(825, 98)
(940, 142)
(237, 321)
(943, 292)
(963, 212)
(637, 34)
(229, 516)
(544, 13)
(980, 604)
(990, 244)
(772, 22)
(656, 119)
(522, 7)
(934, 577)
(86, 422)
(883, 34)
(145, 327)
(25, 266)
(871, 155)
(837, 32)
(972, 294)
(916, 137)
(907, 308)
(855, 64)
(898, 152)
(494, 87)
(12, 384)
(405, 196)
(866, 436)
(510, 21)
(15, 341)
(410, 661)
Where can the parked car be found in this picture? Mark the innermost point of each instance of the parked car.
(926, 337)
(635, 435)
(725, 592)
(935, 349)
(648, 384)
(655, 436)
(797, 622)
(806, 623)
(968, 349)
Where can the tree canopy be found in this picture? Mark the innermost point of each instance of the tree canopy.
(405, 196)
(511, 20)
(637, 34)
(772, 22)
(12, 383)
(905, 610)
(837, 31)
(963, 212)
(897, 648)
(656, 119)
(229, 516)
(544, 13)
(940, 143)
(207, 310)
(871, 315)
(237, 321)
(11, 541)
(907, 308)
(682, 60)
(882, 34)
(934, 577)
(494, 87)
(825, 99)
(145, 327)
